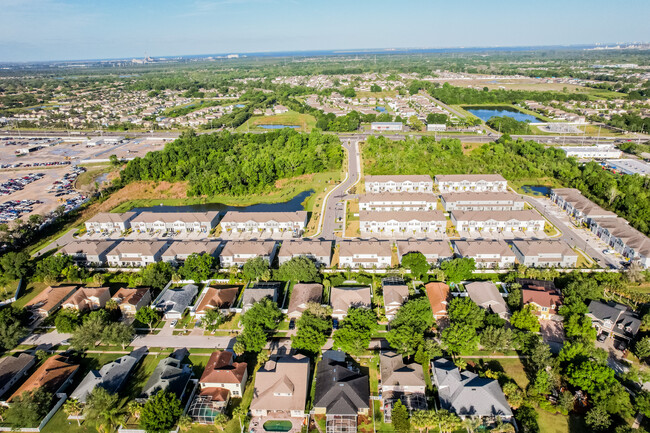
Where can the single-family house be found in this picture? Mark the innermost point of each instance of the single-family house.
(222, 372)
(53, 376)
(219, 297)
(281, 388)
(169, 375)
(395, 293)
(542, 296)
(438, 295)
(88, 298)
(344, 298)
(131, 300)
(302, 295)
(258, 291)
(468, 395)
(49, 300)
(342, 393)
(486, 295)
(613, 320)
(174, 300)
(401, 381)
(13, 368)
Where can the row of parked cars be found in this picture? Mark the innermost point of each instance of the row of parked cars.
(35, 164)
(12, 185)
(65, 185)
(14, 209)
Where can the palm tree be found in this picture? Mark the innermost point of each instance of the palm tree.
(73, 407)
(185, 422)
(105, 410)
(471, 424)
(134, 409)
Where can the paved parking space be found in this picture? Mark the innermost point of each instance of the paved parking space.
(246, 236)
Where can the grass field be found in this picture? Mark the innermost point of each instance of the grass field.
(512, 367)
(305, 121)
(89, 177)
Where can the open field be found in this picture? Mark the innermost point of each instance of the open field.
(305, 121)
(534, 84)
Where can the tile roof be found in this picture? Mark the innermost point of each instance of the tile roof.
(221, 369)
(281, 384)
(302, 247)
(486, 295)
(344, 298)
(130, 296)
(262, 217)
(218, 297)
(51, 297)
(438, 293)
(394, 372)
(260, 248)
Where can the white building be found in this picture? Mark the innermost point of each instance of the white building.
(387, 126)
(434, 251)
(483, 201)
(318, 251)
(491, 221)
(486, 254)
(471, 182)
(135, 253)
(623, 238)
(436, 127)
(179, 251)
(404, 222)
(630, 166)
(106, 222)
(578, 206)
(257, 222)
(399, 183)
(365, 254)
(198, 222)
(236, 253)
(591, 152)
(405, 201)
(547, 253)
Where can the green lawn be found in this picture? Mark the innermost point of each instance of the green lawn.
(306, 121)
(512, 367)
(558, 423)
(33, 289)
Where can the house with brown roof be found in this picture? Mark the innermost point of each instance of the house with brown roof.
(53, 376)
(222, 372)
(434, 251)
(400, 381)
(486, 295)
(179, 251)
(544, 297)
(281, 387)
(88, 253)
(344, 298)
(303, 294)
(623, 238)
(88, 298)
(318, 251)
(438, 295)
(50, 299)
(578, 206)
(395, 293)
(131, 300)
(221, 297)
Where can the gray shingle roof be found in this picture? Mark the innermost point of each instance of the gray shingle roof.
(170, 374)
(176, 300)
(467, 394)
(339, 390)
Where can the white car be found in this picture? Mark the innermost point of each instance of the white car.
(608, 251)
(173, 323)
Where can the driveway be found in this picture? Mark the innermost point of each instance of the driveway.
(179, 341)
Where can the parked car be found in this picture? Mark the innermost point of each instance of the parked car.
(292, 324)
(173, 323)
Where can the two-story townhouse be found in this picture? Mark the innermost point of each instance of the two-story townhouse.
(481, 201)
(494, 221)
(403, 201)
(365, 254)
(486, 254)
(470, 182)
(399, 183)
(403, 222)
(545, 253)
(236, 253)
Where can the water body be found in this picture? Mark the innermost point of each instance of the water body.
(485, 113)
(295, 204)
(239, 105)
(278, 126)
(380, 109)
(536, 189)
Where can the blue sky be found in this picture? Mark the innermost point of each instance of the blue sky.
(86, 29)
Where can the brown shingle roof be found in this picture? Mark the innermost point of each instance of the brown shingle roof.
(302, 294)
(130, 296)
(218, 297)
(49, 376)
(438, 294)
(222, 369)
(50, 298)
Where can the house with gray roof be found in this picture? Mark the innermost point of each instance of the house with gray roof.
(470, 183)
(614, 320)
(342, 393)
(318, 251)
(169, 375)
(174, 300)
(88, 252)
(111, 376)
(434, 251)
(258, 291)
(14, 368)
(401, 382)
(135, 253)
(179, 251)
(108, 222)
(197, 222)
(468, 395)
(487, 296)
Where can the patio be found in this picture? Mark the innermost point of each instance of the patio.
(277, 421)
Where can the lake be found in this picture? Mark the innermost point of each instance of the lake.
(485, 113)
(277, 126)
(380, 109)
(536, 189)
(295, 204)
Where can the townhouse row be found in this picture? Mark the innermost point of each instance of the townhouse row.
(198, 222)
(445, 183)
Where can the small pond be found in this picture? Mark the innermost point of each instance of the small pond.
(380, 109)
(536, 189)
(277, 126)
(295, 204)
(485, 113)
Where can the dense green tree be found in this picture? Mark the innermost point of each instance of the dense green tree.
(118, 333)
(89, 333)
(428, 350)
(313, 328)
(579, 326)
(147, 315)
(457, 270)
(642, 348)
(404, 339)
(28, 409)
(253, 338)
(598, 419)
(264, 313)
(52, 267)
(197, 267)
(67, 320)
(256, 268)
(525, 319)
(462, 310)
(299, 269)
(400, 418)
(508, 125)
(417, 264)
(104, 410)
(353, 336)
(212, 319)
(12, 329)
(460, 338)
(415, 313)
(496, 339)
(590, 376)
(157, 275)
(160, 412)
(14, 265)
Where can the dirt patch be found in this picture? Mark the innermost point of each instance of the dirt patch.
(281, 183)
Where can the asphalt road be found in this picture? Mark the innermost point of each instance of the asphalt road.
(570, 234)
(333, 204)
